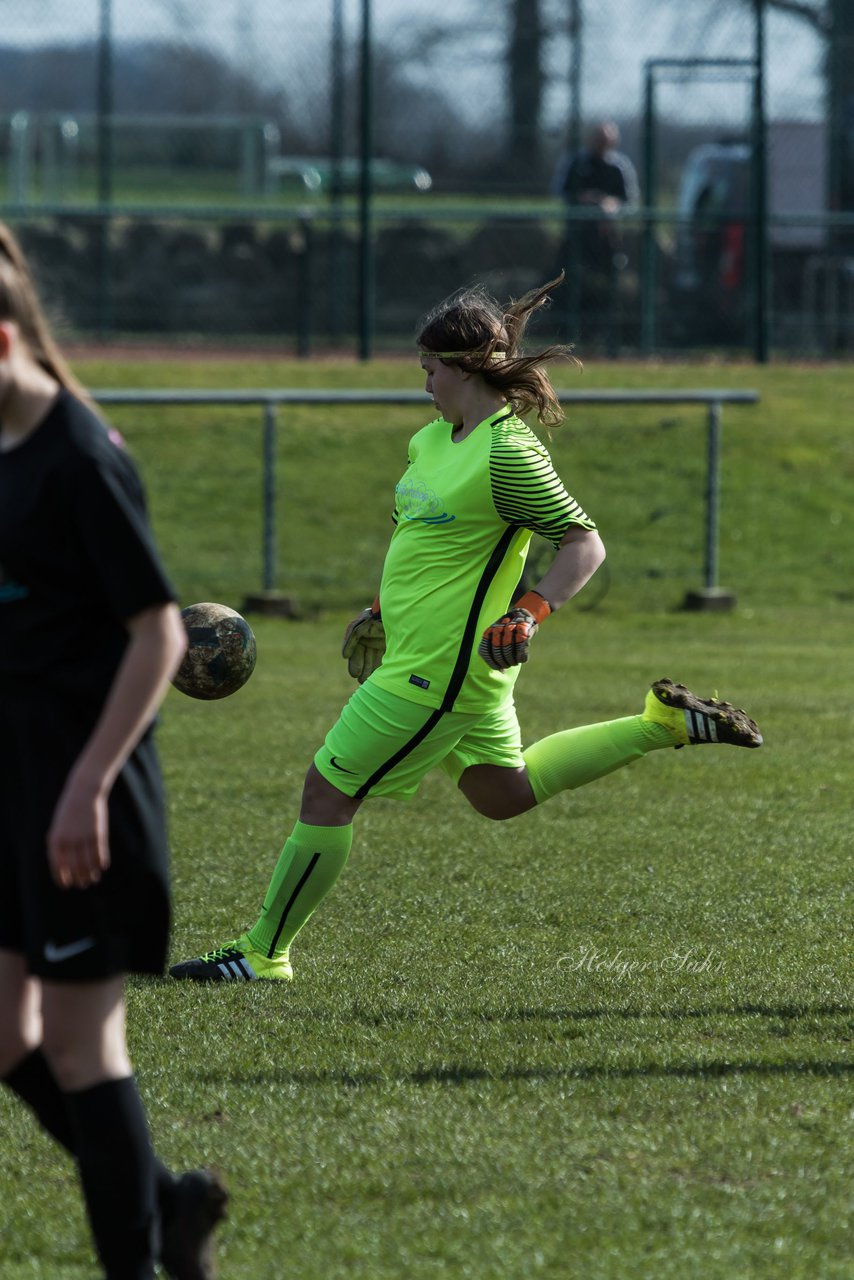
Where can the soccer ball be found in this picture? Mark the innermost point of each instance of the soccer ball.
(221, 654)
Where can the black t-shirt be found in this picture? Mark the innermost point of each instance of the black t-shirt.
(590, 172)
(77, 557)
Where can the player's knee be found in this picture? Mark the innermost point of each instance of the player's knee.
(14, 1047)
(79, 1058)
(323, 804)
(20, 1022)
(498, 808)
(64, 1052)
(498, 794)
(497, 813)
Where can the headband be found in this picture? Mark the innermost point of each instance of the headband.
(458, 355)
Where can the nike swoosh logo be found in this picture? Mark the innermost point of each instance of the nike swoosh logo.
(340, 767)
(55, 955)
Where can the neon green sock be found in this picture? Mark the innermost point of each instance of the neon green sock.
(571, 759)
(310, 863)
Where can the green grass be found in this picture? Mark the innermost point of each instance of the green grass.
(610, 1040)
(788, 464)
(183, 188)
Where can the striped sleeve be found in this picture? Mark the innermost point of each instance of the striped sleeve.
(526, 489)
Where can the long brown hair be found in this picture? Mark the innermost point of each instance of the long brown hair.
(473, 330)
(19, 302)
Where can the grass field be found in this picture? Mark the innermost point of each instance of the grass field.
(609, 1040)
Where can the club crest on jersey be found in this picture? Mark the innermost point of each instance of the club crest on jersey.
(417, 501)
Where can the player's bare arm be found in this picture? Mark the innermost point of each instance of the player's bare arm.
(77, 840)
(507, 642)
(578, 557)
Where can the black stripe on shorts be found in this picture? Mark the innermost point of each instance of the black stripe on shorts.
(460, 666)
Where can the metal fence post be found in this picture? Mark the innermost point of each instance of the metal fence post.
(105, 161)
(711, 596)
(366, 231)
(337, 111)
(650, 200)
(713, 489)
(20, 152)
(759, 195)
(305, 264)
(269, 496)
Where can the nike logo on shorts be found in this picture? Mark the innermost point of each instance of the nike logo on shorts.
(55, 955)
(340, 767)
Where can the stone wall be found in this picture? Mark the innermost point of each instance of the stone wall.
(298, 280)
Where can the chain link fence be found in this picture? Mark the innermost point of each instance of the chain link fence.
(316, 176)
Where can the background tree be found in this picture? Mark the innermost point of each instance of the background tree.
(525, 78)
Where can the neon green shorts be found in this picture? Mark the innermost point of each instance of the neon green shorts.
(383, 745)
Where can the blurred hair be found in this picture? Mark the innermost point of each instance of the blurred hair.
(604, 136)
(473, 330)
(19, 302)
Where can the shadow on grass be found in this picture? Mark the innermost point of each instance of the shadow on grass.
(674, 1014)
(388, 1015)
(378, 1013)
(460, 1074)
(373, 1016)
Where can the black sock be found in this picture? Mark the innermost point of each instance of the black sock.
(35, 1084)
(116, 1164)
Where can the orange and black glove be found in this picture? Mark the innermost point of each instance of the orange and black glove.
(506, 643)
(364, 643)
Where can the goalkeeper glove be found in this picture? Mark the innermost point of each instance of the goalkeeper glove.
(364, 643)
(506, 643)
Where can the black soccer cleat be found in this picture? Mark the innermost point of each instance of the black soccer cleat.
(694, 720)
(195, 1205)
(237, 961)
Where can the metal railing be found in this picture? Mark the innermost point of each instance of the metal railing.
(710, 596)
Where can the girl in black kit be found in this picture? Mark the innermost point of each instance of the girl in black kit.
(89, 637)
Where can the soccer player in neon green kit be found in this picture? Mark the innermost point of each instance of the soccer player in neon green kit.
(439, 651)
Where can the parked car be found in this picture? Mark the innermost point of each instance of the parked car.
(710, 272)
(713, 207)
(316, 174)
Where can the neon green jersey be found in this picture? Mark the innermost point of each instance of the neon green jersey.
(464, 515)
